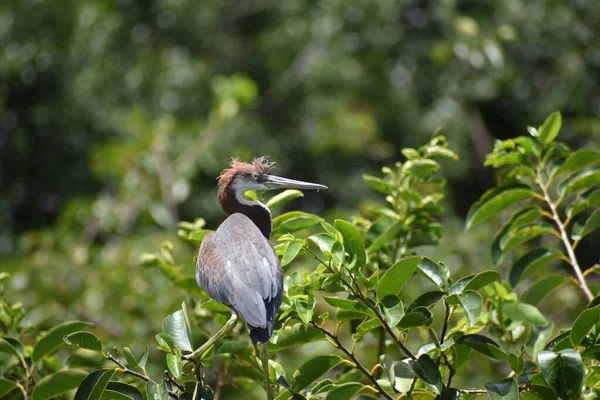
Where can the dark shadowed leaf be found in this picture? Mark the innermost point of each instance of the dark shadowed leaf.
(484, 345)
(494, 201)
(474, 282)
(349, 304)
(428, 372)
(589, 225)
(419, 316)
(426, 299)
(131, 361)
(311, 370)
(514, 238)
(6, 387)
(53, 339)
(177, 326)
(584, 323)
(503, 390)
(577, 160)
(542, 288)
(85, 340)
(563, 371)
(295, 335)
(538, 336)
(128, 390)
(582, 180)
(522, 312)
(472, 304)
(58, 383)
(550, 128)
(353, 242)
(283, 198)
(396, 276)
(231, 347)
(7, 348)
(93, 385)
(531, 262)
(345, 391)
(388, 235)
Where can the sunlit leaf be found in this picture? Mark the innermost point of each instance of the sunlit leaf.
(177, 327)
(396, 276)
(494, 201)
(437, 273)
(283, 198)
(377, 184)
(53, 339)
(577, 160)
(157, 391)
(563, 371)
(353, 242)
(474, 282)
(392, 309)
(349, 304)
(174, 364)
(292, 249)
(85, 340)
(345, 391)
(472, 304)
(550, 128)
(294, 221)
(538, 337)
(522, 312)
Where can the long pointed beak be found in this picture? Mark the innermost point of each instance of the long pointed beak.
(277, 182)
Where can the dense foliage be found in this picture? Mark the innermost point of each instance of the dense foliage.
(394, 322)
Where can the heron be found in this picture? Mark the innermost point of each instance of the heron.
(237, 265)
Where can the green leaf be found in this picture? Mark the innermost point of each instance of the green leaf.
(542, 288)
(348, 304)
(538, 336)
(577, 160)
(396, 276)
(367, 326)
(437, 273)
(519, 219)
(291, 251)
(353, 242)
(392, 309)
(85, 340)
(427, 299)
(474, 282)
(377, 184)
(53, 339)
(472, 304)
(324, 241)
(305, 306)
(92, 387)
(483, 345)
(503, 390)
(428, 372)
(7, 348)
(522, 312)
(294, 221)
(531, 262)
(514, 238)
(114, 395)
(419, 316)
(128, 390)
(174, 364)
(311, 370)
(58, 383)
(590, 225)
(231, 347)
(198, 236)
(345, 391)
(550, 128)
(131, 361)
(294, 336)
(584, 323)
(177, 327)
(582, 180)
(563, 371)
(494, 201)
(387, 236)
(283, 198)
(157, 391)
(6, 386)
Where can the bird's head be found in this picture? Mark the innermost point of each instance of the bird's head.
(257, 176)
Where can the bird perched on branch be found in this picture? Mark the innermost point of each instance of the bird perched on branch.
(237, 265)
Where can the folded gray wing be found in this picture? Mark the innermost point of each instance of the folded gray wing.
(238, 267)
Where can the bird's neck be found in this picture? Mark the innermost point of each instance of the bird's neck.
(235, 202)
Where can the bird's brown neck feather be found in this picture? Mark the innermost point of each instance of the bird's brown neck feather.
(257, 213)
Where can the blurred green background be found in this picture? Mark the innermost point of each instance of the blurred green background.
(117, 115)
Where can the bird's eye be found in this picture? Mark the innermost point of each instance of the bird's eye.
(255, 176)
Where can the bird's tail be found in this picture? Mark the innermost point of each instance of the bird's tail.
(262, 335)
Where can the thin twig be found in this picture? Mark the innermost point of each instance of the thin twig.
(565, 239)
(127, 370)
(355, 360)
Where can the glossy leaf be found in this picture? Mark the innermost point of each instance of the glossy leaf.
(131, 361)
(367, 326)
(324, 241)
(353, 242)
(294, 336)
(53, 339)
(419, 316)
(522, 312)
(514, 238)
(311, 370)
(128, 390)
(426, 369)
(377, 184)
(437, 273)
(584, 323)
(294, 221)
(577, 160)
(474, 282)
(427, 299)
(283, 198)
(531, 262)
(542, 288)
(472, 303)
(177, 327)
(538, 337)
(85, 340)
(345, 391)
(157, 391)
(582, 180)
(392, 309)
(563, 371)
(550, 128)
(291, 251)
(396, 276)
(503, 390)
(92, 387)
(589, 225)
(58, 383)
(348, 304)
(494, 201)
(483, 345)
(174, 364)
(305, 307)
